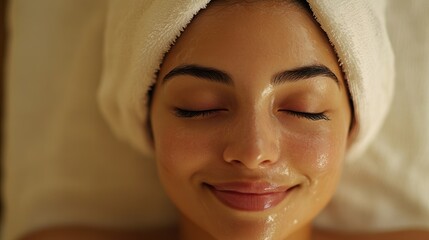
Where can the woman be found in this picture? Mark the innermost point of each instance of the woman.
(250, 124)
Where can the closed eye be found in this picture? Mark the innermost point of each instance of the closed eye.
(184, 113)
(308, 115)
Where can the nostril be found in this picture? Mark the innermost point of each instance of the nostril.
(266, 162)
(250, 164)
(251, 153)
(235, 162)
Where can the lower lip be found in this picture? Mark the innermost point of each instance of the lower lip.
(249, 201)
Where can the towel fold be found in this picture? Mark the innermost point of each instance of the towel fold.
(138, 34)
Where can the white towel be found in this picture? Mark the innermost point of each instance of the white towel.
(139, 33)
(387, 188)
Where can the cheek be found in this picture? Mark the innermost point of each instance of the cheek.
(175, 154)
(172, 151)
(319, 158)
(179, 152)
(318, 154)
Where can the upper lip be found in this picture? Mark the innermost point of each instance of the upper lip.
(250, 187)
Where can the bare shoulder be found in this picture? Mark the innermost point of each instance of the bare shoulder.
(394, 235)
(84, 233)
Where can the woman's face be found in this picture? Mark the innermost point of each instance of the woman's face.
(250, 119)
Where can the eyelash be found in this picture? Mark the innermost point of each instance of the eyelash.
(183, 113)
(310, 116)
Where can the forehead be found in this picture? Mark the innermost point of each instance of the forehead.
(260, 36)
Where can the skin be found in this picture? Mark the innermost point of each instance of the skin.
(250, 129)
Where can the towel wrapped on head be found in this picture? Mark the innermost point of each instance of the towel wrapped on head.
(140, 33)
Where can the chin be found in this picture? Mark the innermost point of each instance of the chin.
(249, 226)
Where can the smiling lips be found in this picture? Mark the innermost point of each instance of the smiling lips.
(250, 196)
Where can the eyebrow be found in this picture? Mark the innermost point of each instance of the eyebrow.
(304, 72)
(197, 71)
(215, 75)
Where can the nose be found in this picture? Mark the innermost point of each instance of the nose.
(253, 142)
